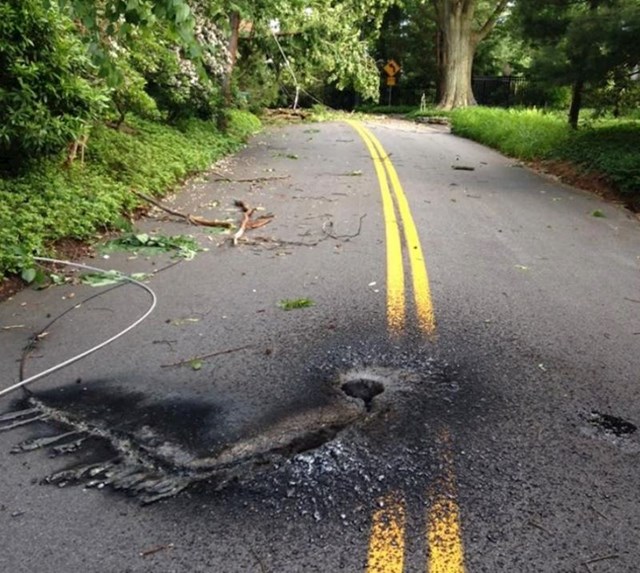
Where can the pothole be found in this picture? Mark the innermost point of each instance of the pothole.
(364, 389)
(611, 424)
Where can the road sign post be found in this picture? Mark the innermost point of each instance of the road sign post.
(391, 68)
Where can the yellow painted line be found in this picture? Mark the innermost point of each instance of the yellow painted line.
(421, 288)
(444, 538)
(386, 543)
(395, 272)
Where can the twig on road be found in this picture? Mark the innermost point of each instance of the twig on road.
(590, 562)
(222, 177)
(157, 549)
(326, 235)
(192, 219)
(205, 356)
(538, 526)
(632, 300)
(342, 237)
(263, 567)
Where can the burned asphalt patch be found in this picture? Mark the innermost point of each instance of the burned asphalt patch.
(371, 421)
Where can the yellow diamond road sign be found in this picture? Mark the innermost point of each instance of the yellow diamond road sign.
(391, 68)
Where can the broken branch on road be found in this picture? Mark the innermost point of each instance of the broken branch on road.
(155, 550)
(249, 179)
(205, 356)
(247, 221)
(191, 219)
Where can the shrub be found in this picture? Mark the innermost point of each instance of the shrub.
(48, 202)
(612, 149)
(526, 134)
(47, 99)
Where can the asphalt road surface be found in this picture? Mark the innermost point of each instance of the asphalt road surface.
(458, 391)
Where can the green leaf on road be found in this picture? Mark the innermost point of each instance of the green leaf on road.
(196, 364)
(105, 278)
(598, 213)
(29, 275)
(292, 304)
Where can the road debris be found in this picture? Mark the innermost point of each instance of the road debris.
(191, 219)
(196, 361)
(590, 562)
(249, 179)
(247, 222)
(155, 550)
(292, 304)
(181, 246)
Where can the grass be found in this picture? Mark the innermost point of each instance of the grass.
(525, 134)
(48, 202)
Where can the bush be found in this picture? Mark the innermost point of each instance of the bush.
(612, 149)
(50, 203)
(47, 99)
(526, 134)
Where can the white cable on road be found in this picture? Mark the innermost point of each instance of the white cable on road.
(154, 301)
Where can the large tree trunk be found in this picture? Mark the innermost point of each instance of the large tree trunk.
(459, 47)
(460, 38)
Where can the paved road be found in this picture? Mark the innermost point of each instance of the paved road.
(461, 396)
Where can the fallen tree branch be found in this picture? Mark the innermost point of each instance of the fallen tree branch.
(250, 179)
(192, 219)
(247, 222)
(326, 235)
(205, 356)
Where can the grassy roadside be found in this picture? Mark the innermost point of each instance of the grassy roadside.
(605, 150)
(49, 202)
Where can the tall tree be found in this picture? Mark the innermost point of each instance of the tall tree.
(311, 44)
(462, 25)
(583, 44)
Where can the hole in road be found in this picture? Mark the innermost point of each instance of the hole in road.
(611, 424)
(363, 389)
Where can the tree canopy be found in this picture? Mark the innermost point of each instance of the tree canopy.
(68, 64)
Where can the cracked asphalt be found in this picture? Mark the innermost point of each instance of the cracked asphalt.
(531, 383)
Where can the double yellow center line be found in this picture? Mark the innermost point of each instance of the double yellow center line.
(396, 306)
(387, 539)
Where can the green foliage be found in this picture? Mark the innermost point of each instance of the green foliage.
(612, 148)
(47, 98)
(295, 303)
(405, 37)
(175, 83)
(180, 246)
(589, 44)
(242, 125)
(526, 134)
(49, 203)
(315, 45)
(107, 278)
